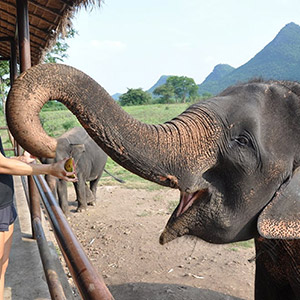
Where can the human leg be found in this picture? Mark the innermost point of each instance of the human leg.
(5, 246)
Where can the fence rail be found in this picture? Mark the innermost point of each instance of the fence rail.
(89, 283)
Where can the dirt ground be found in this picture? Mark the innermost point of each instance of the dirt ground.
(120, 236)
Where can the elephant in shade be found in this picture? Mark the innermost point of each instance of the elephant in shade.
(235, 159)
(89, 160)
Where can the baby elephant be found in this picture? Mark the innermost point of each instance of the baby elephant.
(90, 161)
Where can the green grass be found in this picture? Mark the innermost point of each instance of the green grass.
(172, 205)
(244, 244)
(156, 113)
(57, 122)
(144, 213)
(4, 136)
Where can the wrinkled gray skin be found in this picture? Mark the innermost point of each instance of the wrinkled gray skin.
(89, 160)
(235, 159)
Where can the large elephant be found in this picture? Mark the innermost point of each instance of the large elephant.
(235, 159)
(90, 161)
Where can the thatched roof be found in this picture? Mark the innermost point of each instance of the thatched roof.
(47, 19)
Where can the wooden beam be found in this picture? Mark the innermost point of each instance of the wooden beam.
(31, 14)
(8, 23)
(5, 39)
(43, 7)
(32, 26)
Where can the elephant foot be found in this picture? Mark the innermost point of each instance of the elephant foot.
(81, 208)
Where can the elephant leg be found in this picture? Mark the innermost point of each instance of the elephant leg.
(80, 188)
(62, 193)
(90, 199)
(271, 280)
(268, 289)
(93, 189)
(88, 194)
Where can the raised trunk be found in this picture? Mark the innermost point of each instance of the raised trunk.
(160, 153)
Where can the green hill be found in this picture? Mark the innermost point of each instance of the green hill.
(280, 59)
(211, 81)
(162, 80)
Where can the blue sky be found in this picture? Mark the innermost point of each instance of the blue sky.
(130, 44)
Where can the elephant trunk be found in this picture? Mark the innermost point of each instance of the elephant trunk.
(153, 152)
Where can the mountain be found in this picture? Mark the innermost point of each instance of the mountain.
(280, 60)
(211, 81)
(219, 72)
(162, 80)
(116, 96)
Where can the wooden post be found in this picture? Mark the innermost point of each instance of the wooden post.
(25, 63)
(23, 33)
(13, 61)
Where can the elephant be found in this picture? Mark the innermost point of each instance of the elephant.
(235, 159)
(90, 162)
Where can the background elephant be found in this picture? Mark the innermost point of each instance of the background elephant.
(89, 160)
(235, 159)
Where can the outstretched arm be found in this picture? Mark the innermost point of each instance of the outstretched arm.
(22, 165)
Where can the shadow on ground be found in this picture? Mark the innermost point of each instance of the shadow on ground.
(156, 291)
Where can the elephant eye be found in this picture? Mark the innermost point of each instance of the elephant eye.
(242, 140)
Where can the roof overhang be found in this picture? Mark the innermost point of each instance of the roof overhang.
(47, 20)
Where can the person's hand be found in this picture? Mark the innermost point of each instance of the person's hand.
(58, 170)
(26, 158)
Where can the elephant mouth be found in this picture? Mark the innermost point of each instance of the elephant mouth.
(187, 200)
(183, 219)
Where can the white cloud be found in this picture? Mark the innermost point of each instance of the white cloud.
(183, 45)
(107, 45)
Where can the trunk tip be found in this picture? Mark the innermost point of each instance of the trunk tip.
(167, 236)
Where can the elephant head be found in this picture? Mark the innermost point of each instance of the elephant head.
(233, 157)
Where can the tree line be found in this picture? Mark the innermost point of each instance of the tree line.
(177, 89)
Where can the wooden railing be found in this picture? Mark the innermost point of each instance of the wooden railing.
(89, 283)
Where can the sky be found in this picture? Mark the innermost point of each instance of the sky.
(130, 44)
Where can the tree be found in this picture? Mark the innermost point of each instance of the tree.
(57, 54)
(166, 93)
(59, 51)
(4, 81)
(184, 87)
(206, 95)
(135, 97)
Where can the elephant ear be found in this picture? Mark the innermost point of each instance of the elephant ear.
(280, 219)
(76, 151)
